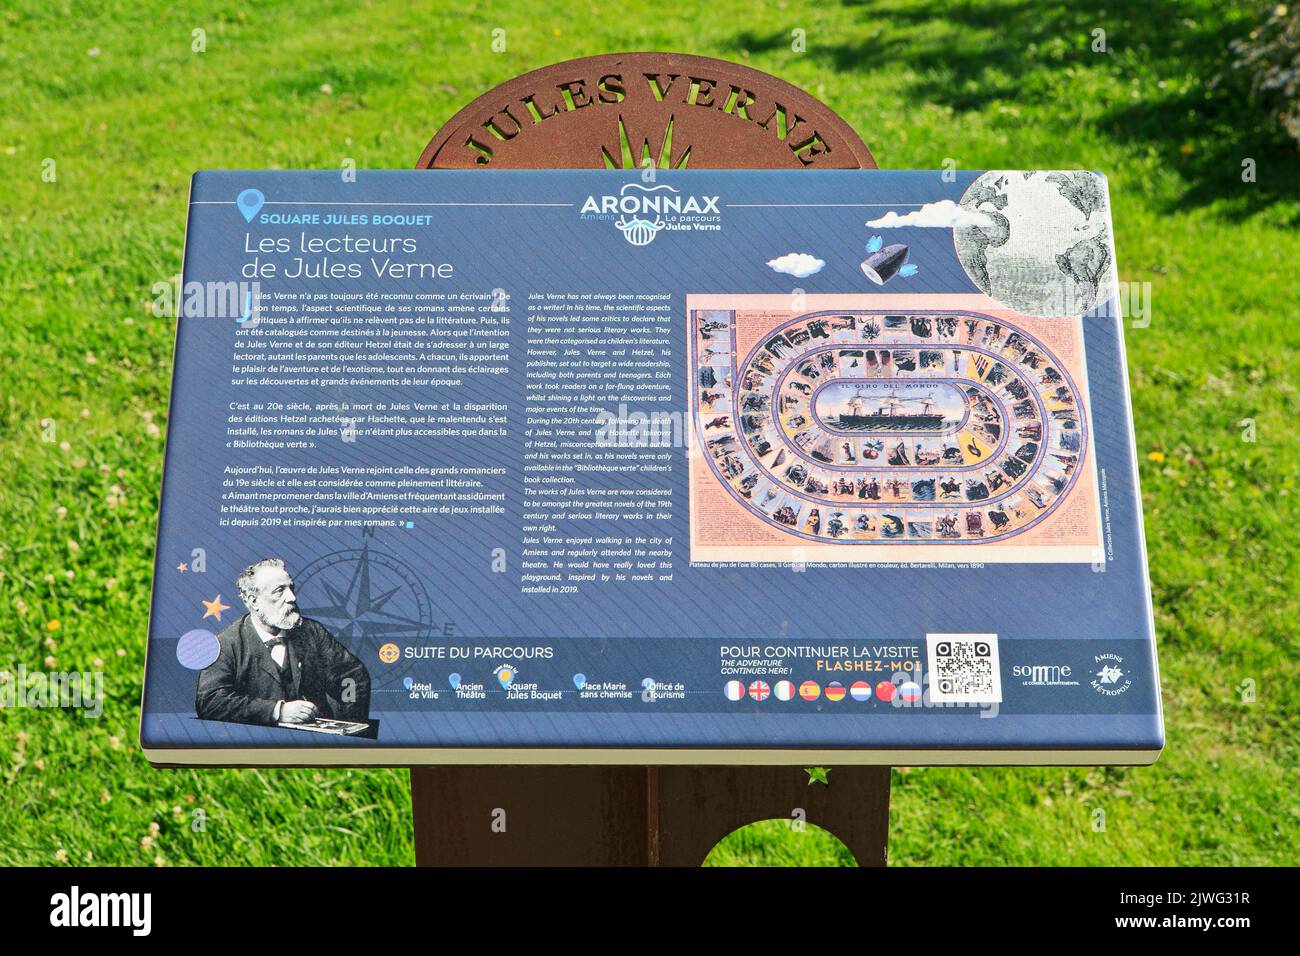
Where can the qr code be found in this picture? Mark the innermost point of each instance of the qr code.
(964, 668)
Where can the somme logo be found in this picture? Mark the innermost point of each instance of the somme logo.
(1044, 675)
(644, 211)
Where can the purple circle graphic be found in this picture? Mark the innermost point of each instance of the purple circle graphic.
(197, 649)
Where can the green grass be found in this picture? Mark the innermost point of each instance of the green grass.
(1001, 84)
(780, 843)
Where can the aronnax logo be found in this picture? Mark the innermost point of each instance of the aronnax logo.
(641, 212)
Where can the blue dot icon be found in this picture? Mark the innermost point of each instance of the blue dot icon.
(197, 649)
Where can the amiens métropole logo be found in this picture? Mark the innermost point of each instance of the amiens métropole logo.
(641, 212)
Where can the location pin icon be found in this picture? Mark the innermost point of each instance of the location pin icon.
(505, 676)
(407, 682)
(579, 680)
(453, 680)
(249, 202)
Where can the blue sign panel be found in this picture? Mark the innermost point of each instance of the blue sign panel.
(711, 467)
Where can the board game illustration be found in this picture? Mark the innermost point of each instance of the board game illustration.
(855, 429)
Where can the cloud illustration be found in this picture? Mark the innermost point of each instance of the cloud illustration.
(944, 214)
(798, 264)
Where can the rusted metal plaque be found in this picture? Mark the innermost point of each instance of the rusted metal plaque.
(629, 110)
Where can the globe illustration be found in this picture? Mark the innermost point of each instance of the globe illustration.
(1044, 246)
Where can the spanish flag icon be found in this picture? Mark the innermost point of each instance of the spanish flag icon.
(810, 690)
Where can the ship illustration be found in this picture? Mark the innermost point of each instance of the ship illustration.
(892, 413)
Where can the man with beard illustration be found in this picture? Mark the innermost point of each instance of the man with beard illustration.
(278, 667)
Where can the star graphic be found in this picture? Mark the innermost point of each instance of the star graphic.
(182, 567)
(214, 607)
(817, 775)
(359, 611)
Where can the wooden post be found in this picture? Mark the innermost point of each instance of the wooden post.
(635, 816)
(631, 816)
(698, 806)
(530, 816)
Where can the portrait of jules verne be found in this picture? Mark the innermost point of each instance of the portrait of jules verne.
(276, 666)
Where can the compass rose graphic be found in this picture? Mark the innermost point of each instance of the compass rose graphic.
(366, 598)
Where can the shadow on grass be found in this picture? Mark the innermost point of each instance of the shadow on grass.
(972, 56)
